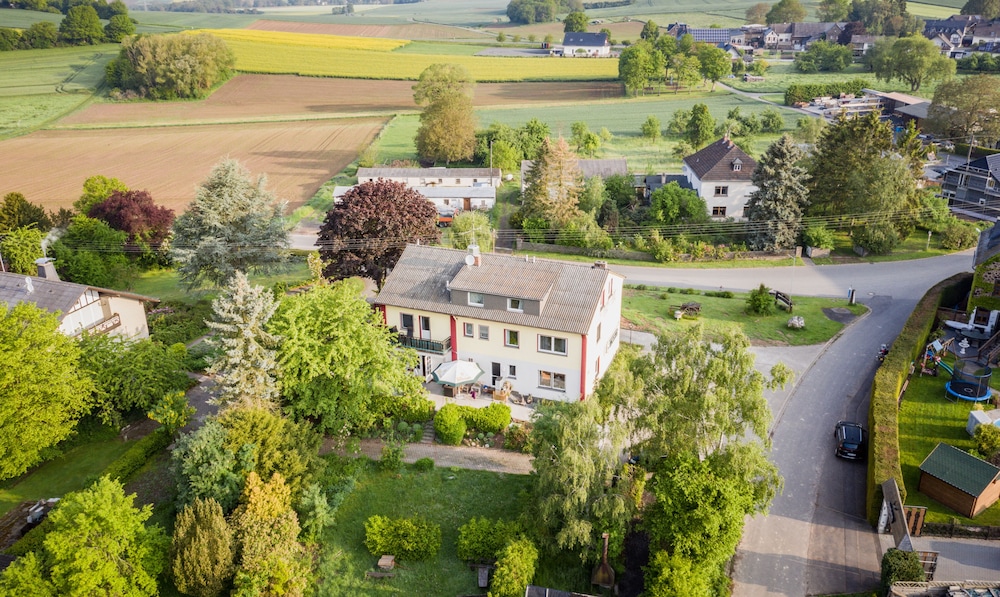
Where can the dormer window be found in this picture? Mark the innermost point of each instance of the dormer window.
(476, 299)
(737, 165)
(514, 304)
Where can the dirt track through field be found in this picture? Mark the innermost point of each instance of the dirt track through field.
(49, 167)
(272, 97)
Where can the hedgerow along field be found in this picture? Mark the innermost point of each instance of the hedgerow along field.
(170, 162)
(279, 53)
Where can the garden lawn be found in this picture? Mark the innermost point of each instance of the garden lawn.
(164, 284)
(926, 419)
(448, 497)
(72, 471)
(653, 311)
(916, 246)
(781, 75)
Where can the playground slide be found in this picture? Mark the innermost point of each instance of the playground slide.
(947, 368)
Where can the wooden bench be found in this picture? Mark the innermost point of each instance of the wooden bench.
(781, 297)
(379, 575)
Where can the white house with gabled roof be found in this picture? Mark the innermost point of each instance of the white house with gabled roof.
(549, 328)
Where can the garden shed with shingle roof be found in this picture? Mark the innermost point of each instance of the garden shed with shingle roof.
(959, 480)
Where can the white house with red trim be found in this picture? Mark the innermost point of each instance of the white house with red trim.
(549, 328)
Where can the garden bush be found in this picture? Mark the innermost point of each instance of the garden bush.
(414, 409)
(805, 92)
(482, 538)
(515, 569)
(137, 456)
(411, 539)
(900, 566)
(760, 301)
(392, 457)
(492, 419)
(819, 237)
(416, 432)
(449, 425)
(958, 235)
(516, 438)
(726, 294)
(172, 321)
(987, 439)
(424, 464)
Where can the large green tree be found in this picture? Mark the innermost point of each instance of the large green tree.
(786, 11)
(81, 26)
(967, 107)
(232, 225)
(20, 248)
(638, 65)
(775, 208)
(170, 66)
(96, 189)
(833, 11)
(575, 22)
(988, 9)
(913, 60)
(364, 234)
(552, 185)
(447, 130)
(714, 62)
(44, 390)
(671, 205)
(472, 227)
(341, 366)
(246, 367)
(118, 28)
(757, 14)
(98, 544)
(700, 126)
(17, 212)
(92, 253)
(823, 56)
(844, 148)
(202, 550)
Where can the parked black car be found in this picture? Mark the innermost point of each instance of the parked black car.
(851, 440)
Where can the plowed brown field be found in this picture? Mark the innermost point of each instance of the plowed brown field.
(49, 167)
(390, 31)
(272, 97)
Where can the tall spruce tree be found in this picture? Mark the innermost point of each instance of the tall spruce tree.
(203, 550)
(775, 208)
(553, 184)
(232, 225)
(247, 366)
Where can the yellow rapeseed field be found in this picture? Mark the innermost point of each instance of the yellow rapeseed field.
(309, 40)
(273, 52)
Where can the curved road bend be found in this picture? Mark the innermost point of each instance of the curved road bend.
(815, 539)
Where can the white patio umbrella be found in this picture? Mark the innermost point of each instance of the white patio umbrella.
(457, 373)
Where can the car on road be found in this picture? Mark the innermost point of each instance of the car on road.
(851, 440)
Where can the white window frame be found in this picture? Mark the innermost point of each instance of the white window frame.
(512, 371)
(515, 301)
(722, 191)
(509, 335)
(469, 330)
(552, 340)
(553, 381)
(482, 299)
(484, 332)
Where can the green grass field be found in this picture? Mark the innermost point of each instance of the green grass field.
(652, 311)
(925, 419)
(162, 21)
(22, 19)
(780, 75)
(56, 70)
(20, 113)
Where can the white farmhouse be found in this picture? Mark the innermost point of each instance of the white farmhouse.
(721, 174)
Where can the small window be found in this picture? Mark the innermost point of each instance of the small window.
(469, 330)
(552, 344)
(512, 371)
(737, 166)
(963, 180)
(476, 299)
(484, 332)
(458, 181)
(991, 183)
(511, 338)
(982, 201)
(721, 191)
(406, 322)
(440, 181)
(475, 180)
(554, 381)
(446, 201)
(514, 305)
(719, 212)
(598, 331)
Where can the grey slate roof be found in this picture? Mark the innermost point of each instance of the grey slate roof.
(715, 162)
(915, 110)
(422, 277)
(51, 295)
(364, 173)
(959, 469)
(586, 40)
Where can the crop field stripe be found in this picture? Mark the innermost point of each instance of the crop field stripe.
(309, 40)
(253, 57)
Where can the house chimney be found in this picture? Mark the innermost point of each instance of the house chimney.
(46, 268)
(600, 265)
(477, 259)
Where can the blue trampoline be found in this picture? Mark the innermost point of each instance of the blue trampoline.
(969, 381)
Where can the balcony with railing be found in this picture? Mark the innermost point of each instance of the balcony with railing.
(426, 345)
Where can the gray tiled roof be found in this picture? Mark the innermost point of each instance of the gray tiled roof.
(715, 162)
(425, 172)
(587, 40)
(959, 469)
(51, 295)
(423, 274)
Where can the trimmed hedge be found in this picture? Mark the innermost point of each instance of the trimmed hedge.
(449, 425)
(412, 409)
(805, 92)
(482, 538)
(411, 539)
(138, 455)
(515, 569)
(494, 418)
(883, 413)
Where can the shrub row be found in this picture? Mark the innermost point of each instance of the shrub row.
(410, 539)
(412, 409)
(805, 92)
(515, 569)
(482, 538)
(883, 414)
(138, 455)
(453, 420)
(607, 4)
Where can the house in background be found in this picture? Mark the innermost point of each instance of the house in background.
(861, 45)
(79, 308)
(433, 177)
(973, 189)
(588, 168)
(586, 45)
(447, 199)
(986, 33)
(549, 328)
(721, 174)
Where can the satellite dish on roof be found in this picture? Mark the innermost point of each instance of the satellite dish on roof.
(469, 260)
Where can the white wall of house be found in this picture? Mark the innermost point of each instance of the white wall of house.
(604, 336)
(429, 178)
(730, 196)
(587, 51)
(133, 317)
